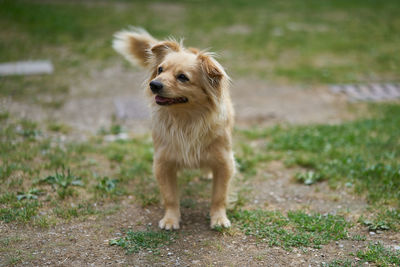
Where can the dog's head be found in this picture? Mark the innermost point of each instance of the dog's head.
(179, 77)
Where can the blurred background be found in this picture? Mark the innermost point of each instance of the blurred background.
(282, 55)
(315, 85)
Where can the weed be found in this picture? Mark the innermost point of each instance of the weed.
(134, 241)
(27, 129)
(107, 185)
(385, 219)
(31, 194)
(116, 129)
(61, 181)
(377, 225)
(380, 255)
(308, 178)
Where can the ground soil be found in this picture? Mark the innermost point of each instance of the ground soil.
(91, 104)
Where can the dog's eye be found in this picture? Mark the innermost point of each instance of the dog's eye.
(182, 78)
(160, 69)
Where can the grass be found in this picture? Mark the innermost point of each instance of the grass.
(338, 263)
(296, 229)
(41, 174)
(388, 219)
(363, 154)
(292, 41)
(380, 255)
(135, 241)
(21, 211)
(46, 180)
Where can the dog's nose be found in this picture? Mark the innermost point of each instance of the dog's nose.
(156, 86)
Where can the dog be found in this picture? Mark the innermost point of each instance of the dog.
(192, 117)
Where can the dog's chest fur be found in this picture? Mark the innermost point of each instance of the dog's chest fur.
(183, 141)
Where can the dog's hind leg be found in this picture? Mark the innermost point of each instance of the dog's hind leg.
(166, 174)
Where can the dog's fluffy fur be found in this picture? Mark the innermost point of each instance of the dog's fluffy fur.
(192, 117)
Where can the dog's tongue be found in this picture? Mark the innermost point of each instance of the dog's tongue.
(162, 99)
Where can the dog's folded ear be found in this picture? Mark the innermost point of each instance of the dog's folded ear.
(161, 49)
(135, 45)
(212, 70)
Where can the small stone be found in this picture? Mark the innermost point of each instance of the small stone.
(396, 247)
(372, 233)
(170, 253)
(341, 246)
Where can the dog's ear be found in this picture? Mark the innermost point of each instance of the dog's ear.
(161, 49)
(134, 45)
(212, 70)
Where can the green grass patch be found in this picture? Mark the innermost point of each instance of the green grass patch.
(380, 255)
(363, 154)
(68, 213)
(338, 263)
(135, 241)
(20, 211)
(37, 167)
(297, 229)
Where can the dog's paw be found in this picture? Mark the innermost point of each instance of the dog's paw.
(169, 223)
(220, 220)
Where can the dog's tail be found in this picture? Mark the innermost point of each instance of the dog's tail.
(134, 44)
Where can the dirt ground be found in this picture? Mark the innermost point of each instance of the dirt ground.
(85, 242)
(92, 103)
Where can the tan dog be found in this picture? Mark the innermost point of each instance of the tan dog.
(192, 117)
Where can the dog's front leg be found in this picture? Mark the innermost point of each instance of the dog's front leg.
(167, 181)
(222, 174)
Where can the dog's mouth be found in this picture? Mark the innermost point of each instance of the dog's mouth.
(166, 101)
